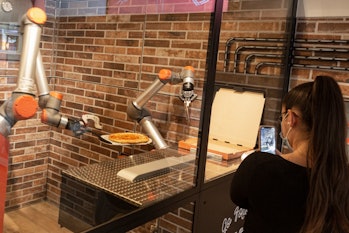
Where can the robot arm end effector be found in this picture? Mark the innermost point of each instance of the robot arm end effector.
(136, 111)
(186, 77)
(188, 95)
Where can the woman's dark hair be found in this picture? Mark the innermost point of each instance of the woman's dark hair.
(322, 107)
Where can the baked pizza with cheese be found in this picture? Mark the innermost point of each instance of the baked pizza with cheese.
(128, 138)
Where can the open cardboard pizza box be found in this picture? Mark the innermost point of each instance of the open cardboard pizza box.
(235, 119)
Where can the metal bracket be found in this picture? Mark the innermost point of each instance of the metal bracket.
(94, 118)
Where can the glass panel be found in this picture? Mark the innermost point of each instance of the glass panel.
(11, 13)
(10, 45)
(110, 55)
(250, 78)
(126, 62)
(252, 67)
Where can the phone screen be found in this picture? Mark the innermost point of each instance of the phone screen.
(267, 141)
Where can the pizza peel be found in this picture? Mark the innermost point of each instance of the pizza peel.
(100, 137)
(105, 137)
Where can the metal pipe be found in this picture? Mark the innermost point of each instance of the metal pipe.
(321, 67)
(301, 42)
(239, 49)
(249, 58)
(262, 64)
(339, 59)
(322, 41)
(235, 39)
(322, 49)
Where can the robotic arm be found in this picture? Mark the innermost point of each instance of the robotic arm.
(136, 110)
(22, 104)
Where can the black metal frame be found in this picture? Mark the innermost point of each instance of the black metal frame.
(209, 92)
(290, 46)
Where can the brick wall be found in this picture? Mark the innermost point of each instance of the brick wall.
(103, 62)
(100, 63)
(102, 7)
(335, 34)
(244, 22)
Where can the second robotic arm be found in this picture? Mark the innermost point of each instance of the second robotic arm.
(136, 110)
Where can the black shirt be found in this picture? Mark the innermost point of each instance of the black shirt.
(274, 192)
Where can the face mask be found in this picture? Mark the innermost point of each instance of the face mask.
(285, 141)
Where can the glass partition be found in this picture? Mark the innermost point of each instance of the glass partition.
(109, 61)
(252, 66)
(10, 36)
(10, 42)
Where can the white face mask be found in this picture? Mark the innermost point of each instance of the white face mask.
(285, 141)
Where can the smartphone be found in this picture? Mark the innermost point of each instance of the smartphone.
(267, 139)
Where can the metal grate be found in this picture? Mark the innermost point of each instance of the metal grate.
(104, 176)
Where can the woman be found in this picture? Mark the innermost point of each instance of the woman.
(306, 190)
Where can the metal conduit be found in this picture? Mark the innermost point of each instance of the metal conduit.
(232, 40)
(251, 47)
(263, 64)
(252, 56)
(322, 50)
(297, 47)
(321, 67)
(321, 58)
(312, 41)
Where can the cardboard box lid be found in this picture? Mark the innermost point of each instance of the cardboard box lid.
(236, 116)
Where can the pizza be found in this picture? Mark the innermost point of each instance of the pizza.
(128, 138)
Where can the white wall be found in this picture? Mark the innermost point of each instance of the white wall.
(322, 8)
